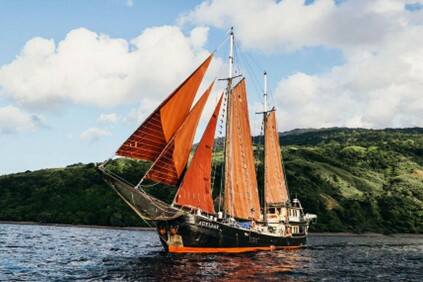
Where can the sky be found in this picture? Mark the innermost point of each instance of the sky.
(77, 77)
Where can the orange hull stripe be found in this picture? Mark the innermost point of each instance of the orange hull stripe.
(185, 250)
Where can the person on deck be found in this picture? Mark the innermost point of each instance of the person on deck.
(174, 239)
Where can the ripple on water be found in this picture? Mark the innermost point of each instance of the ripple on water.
(69, 253)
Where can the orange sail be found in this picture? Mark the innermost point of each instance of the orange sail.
(172, 160)
(276, 191)
(148, 141)
(195, 190)
(241, 195)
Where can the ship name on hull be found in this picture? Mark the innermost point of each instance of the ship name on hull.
(209, 225)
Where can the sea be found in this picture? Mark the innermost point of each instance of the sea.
(67, 253)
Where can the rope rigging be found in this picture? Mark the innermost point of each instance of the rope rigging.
(246, 63)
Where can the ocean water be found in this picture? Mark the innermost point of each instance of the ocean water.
(48, 253)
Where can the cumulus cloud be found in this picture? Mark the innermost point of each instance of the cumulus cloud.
(198, 36)
(13, 120)
(94, 134)
(291, 24)
(372, 89)
(379, 85)
(90, 68)
(108, 119)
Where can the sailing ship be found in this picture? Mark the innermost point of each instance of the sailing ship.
(192, 224)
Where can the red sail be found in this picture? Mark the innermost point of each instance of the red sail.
(148, 141)
(195, 190)
(172, 160)
(241, 194)
(276, 191)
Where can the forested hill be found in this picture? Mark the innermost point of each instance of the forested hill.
(355, 180)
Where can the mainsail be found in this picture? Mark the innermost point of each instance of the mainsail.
(195, 190)
(148, 141)
(276, 191)
(171, 162)
(241, 195)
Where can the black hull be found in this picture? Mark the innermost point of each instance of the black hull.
(194, 233)
(199, 234)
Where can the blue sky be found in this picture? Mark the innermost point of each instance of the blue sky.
(323, 71)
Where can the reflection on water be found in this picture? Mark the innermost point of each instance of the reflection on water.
(43, 253)
(263, 265)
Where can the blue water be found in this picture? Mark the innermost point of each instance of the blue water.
(47, 253)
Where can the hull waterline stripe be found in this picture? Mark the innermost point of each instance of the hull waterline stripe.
(187, 250)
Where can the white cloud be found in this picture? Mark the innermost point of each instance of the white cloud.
(198, 36)
(290, 24)
(13, 120)
(94, 134)
(369, 90)
(108, 119)
(91, 68)
(379, 85)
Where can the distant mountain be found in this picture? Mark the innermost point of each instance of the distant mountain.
(357, 180)
(299, 131)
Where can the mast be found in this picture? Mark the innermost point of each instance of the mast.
(265, 91)
(241, 195)
(231, 56)
(228, 97)
(275, 188)
(264, 146)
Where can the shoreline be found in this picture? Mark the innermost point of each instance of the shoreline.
(368, 234)
(77, 225)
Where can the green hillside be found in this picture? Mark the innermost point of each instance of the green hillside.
(354, 179)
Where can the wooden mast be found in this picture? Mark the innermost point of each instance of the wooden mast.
(228, 108)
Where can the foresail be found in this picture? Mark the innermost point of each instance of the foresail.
(195, 190)
(276, 191)
(148, 141)
(241, 194)
(171, 162)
